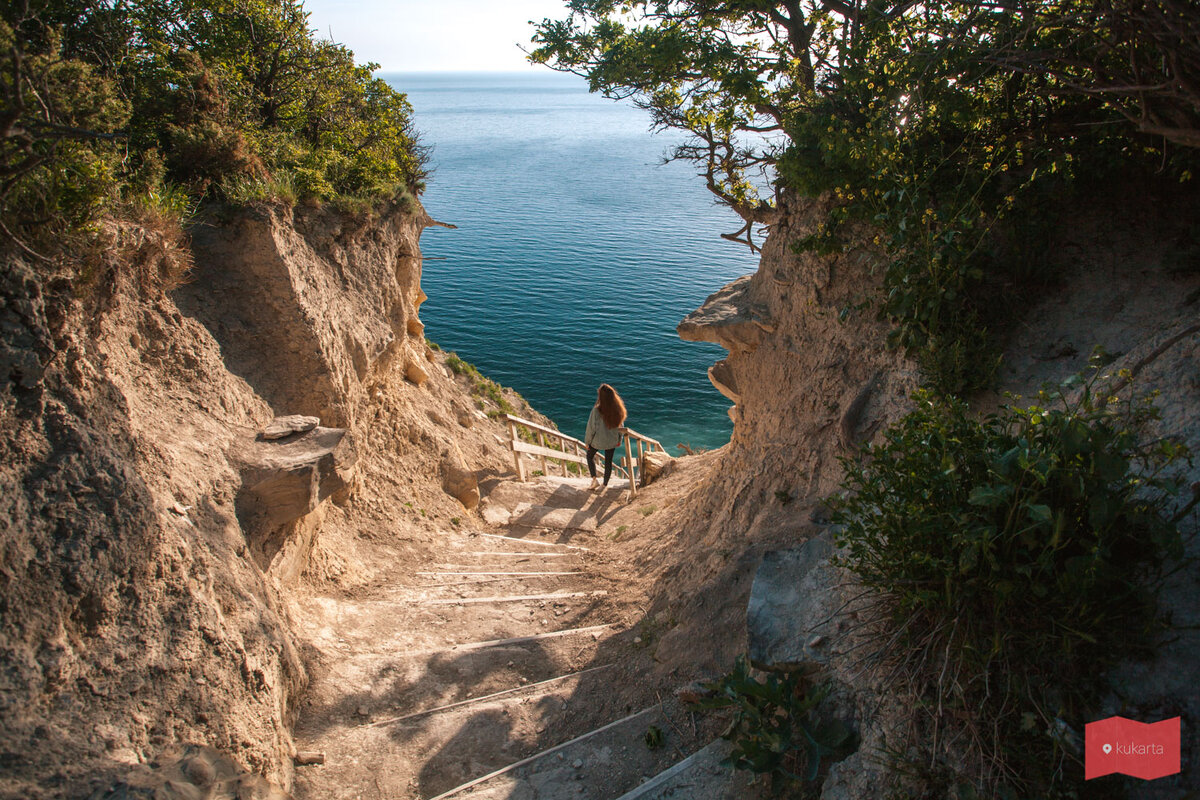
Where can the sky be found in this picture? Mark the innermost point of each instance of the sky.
(434, 35)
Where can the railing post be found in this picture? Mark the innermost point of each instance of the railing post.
(629, 469)
(512, 433)
(545, 464)
(640, 468)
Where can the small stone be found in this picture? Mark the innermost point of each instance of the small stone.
(363, 711)
(561, 757)
(816, 641)
(577, 763)
(181, 510)
(637, 640)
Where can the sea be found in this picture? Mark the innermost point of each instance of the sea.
(577, 250)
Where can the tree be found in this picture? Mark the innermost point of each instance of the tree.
(730, 74)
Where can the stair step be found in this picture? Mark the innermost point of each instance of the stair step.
(700, 776)
(544, 753)
(518, 598)
(534, 541)
(485, 698)
(459, 648)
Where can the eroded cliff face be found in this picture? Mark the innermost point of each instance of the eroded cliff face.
(150, 535)
(811, 378)
(808, 372)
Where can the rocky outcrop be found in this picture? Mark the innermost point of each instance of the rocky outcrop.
(284, 481)
(794, 608)
(808, 369)
(812, 379)
(312, 293)
(458, 480)
(731, 318)
(154, 506)
(654, 465)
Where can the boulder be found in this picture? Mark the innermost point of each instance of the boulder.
(284, 481)
(791, 618)
(286, 426)
(655, 465)
(458, 480)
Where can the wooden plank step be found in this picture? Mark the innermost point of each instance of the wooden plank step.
(534, 541)
(453, 572)
(459, 648)
(523, 555)
(485, 580)
(508, 598)
(542, 754)
(671, 781)
(486, 697)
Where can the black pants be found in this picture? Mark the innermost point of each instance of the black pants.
(608, 457)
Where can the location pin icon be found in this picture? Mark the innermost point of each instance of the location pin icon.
(1107, 749)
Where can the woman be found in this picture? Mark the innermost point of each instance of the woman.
(604, 430)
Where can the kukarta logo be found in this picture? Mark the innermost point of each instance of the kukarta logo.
(1143, 750)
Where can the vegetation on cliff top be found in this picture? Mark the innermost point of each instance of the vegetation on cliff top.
(937, 123)
(163, 103)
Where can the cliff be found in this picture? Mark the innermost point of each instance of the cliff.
(153, 524)
(811, 378)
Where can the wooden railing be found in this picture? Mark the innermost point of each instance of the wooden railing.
(558, 446)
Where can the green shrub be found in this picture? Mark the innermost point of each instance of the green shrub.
(233, 99)
(777, 729)
(1013, 557)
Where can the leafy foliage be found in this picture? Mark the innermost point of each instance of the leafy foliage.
(1012, 554)
(235, 99)
(944, 125)
(777, 729)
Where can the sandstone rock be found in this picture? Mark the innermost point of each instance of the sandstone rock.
(721, 376)
(655, 465)
(295, 292)
(430, 356)
(458, 480)
(415, 373)
(466, 419)
(286, 426)
(729, 318)
(415, 327)
(284, 481)
(793, 604)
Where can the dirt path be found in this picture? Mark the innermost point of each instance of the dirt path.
(515, 655)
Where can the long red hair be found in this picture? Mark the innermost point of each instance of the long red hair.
(612, 410)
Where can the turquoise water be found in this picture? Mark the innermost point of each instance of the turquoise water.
(577, 251)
